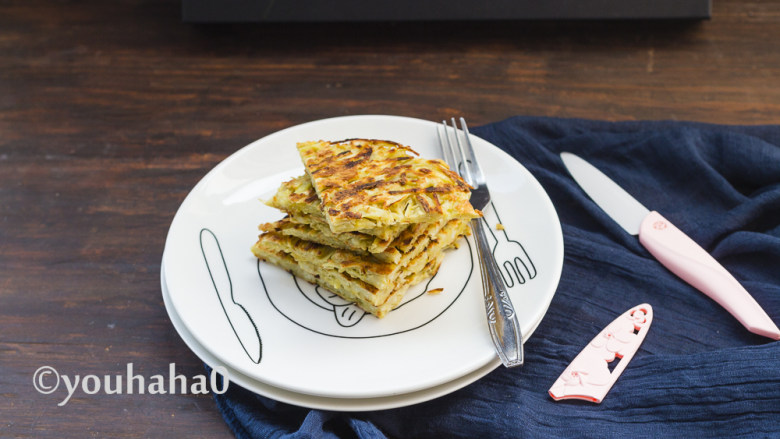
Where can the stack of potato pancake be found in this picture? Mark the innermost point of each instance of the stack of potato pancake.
(368, 219)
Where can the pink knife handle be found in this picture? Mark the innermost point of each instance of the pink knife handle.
(683, 257)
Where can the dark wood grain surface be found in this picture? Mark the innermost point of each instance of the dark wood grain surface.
(110, 111)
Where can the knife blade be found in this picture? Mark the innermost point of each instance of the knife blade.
(671, 247)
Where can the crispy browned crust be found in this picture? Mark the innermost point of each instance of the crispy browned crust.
(360, 293)
(298, 199)
(352, 275)
(366, 183)
(371, 248)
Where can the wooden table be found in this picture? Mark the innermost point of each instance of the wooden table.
(111, 111)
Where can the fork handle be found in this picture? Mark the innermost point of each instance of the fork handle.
(501, 317)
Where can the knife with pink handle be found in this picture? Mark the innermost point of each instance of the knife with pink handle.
(670, 246)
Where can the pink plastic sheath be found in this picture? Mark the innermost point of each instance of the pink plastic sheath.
(588, 377)
(683, 257)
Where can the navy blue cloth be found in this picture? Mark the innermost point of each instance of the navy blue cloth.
(698, 372)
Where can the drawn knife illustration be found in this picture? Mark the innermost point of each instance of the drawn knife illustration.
(670, 246)
(240, 321)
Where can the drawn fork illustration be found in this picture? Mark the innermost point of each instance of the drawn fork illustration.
(516, 265)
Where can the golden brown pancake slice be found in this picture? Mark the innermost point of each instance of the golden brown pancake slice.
(373, 248)
(365, 184)
(358, 291)
(298, 199)
(375, 286)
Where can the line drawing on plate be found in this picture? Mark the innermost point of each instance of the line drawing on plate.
(241, 322)
(346, 313)
(318, 310)
(509, 254)
(515, 264)
(340, 318)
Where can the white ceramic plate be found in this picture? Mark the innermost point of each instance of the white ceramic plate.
(310, 401)
(263, 323)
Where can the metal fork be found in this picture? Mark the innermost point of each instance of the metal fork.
(502, 321)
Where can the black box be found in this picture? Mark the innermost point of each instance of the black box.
(223, 11)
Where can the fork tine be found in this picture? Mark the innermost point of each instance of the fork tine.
(466, 173)
(474, 168)
(451, 146)
(446, 148)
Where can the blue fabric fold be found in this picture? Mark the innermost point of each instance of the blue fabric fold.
(698, 372)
